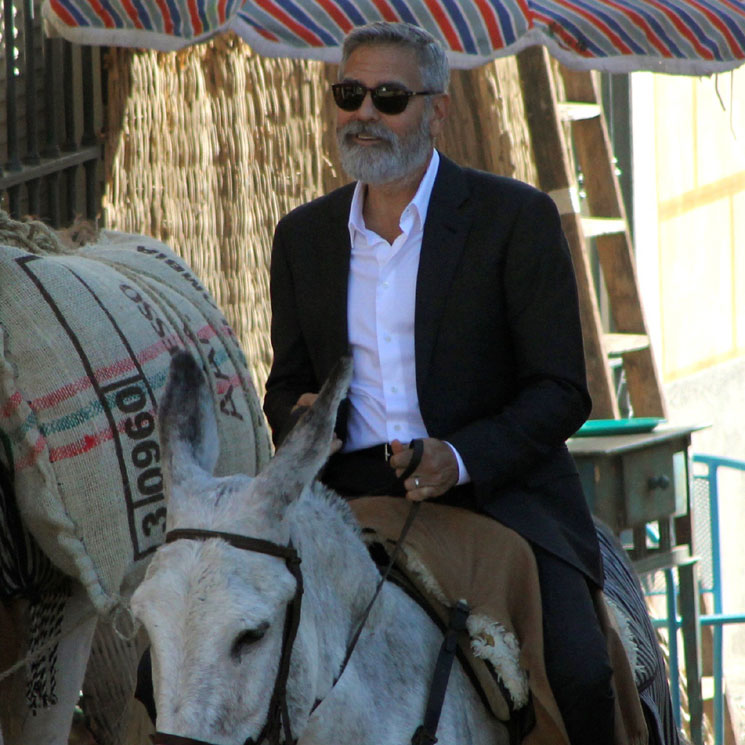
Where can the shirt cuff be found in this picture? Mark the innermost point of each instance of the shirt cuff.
(463, 476)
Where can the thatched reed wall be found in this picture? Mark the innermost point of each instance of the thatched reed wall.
(207, 148)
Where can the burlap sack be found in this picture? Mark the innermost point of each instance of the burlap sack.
(84, 354)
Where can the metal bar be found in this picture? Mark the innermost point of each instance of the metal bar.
(90, 167)
(48, 166)
(70, 175)
(33, 191)
(51, 144)
(724, 618)
(89, 130)
(716, 566)
(51, 140)
(14, 161)
(717, 460)
(716, 553)
(89, 109)
(69, 142)
(672, 633)
(718, 619)
(691, 630)
(704, 620)
(640, 541)
(14, 202)
(666, 533)
(54, 212)
(718, 671)
(32, 134)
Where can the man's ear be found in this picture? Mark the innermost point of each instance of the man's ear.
(440, 109)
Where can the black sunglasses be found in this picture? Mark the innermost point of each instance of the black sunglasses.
(387, 98)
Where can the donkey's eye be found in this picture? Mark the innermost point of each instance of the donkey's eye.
(248, 637)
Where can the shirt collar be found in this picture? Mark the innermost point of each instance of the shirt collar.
(420, 202)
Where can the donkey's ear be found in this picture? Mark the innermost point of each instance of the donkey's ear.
(307, 447)
(188, 429)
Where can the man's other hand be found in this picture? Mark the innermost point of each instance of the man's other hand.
(436, 473)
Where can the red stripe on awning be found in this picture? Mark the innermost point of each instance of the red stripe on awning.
(441, 18)
(386, 11)
(63, 13)
(596, 21)
(166, 15)
(132, 13)
(288, 21)
(684, 30)
(339, 18)
(527, 12)
(104, 14)
(641, 23)
(196, 23)
(716, 21)
(266, 33)
(491, 22)
(569, 42)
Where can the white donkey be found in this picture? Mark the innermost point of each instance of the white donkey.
(234, 660)
(218, 610)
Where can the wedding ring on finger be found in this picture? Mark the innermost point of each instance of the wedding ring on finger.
(416, 481)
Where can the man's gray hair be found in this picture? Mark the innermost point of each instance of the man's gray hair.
(430, 54)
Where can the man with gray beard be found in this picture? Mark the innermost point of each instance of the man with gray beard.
(454, 292)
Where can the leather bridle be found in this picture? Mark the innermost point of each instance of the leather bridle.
(278, 719)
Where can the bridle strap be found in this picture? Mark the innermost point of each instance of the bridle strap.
(278, 715)
(238, 541)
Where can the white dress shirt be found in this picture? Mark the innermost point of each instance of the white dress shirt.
(380, 311)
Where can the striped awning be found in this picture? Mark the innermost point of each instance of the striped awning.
(692, 37)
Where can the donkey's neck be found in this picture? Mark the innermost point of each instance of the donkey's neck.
(381, 695)
(340, 580)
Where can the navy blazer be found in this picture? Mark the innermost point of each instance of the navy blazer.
(499, 357)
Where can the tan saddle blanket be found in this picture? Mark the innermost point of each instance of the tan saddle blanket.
(451, 554)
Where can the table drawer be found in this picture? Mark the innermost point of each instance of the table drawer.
(654, 484)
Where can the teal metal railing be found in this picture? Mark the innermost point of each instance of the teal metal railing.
(705, 505)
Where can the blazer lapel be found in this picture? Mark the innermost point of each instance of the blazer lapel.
(445, 231)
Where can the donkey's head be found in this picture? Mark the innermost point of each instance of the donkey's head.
(215, 612)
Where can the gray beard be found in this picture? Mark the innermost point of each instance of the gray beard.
(392, 159)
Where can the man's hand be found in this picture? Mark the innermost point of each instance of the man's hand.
(305, 402)
(436, 473)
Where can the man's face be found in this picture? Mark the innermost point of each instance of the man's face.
(379, 148)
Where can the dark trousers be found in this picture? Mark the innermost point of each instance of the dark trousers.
(575, 652)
